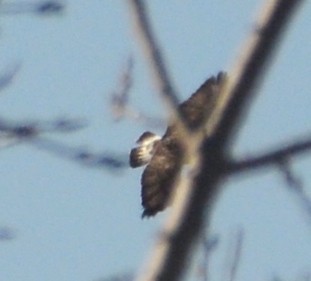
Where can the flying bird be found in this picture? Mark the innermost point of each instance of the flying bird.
(164, 156)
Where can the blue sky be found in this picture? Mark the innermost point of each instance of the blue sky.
(76, 223)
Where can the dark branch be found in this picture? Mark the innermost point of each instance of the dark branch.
(295, 185)
(153, 54)
(272, 157)
(279, 157)
(47, 7)
(120, 97)
(156, 61)
(6, 233)
(236, 255)
(250, 68)
(31, 133)
(7, 77)
(119, 100)
(109, 160)
(18, 131)
(210, 243)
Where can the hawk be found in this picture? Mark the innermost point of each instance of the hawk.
(164, 155)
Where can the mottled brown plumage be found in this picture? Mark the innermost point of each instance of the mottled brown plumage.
(167, 154)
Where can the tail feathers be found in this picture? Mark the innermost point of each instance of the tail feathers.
(139, 157)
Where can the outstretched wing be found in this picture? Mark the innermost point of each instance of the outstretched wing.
(166, 163)
(199, 106)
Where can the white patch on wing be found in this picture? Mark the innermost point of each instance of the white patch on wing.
(147, 148)
(142, 154)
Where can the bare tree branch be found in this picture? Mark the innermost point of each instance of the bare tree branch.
(155, 58)
(210, 244)
(279, 157)
(14, 132)
(153, 54)
(193, 202)
(47, 7)
(119, 99)
(33, 133)
(235, 254)
(112, 161)
(7, 77)
(272, 157)
(248, 71)
(295, 185)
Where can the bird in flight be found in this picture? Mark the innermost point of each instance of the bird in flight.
(164, 156)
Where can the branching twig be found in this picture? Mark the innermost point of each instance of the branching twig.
(272, 157)
(120, 97)
(210, 243)
(279, 157)
(295, 185)
(83, 156)
(21, 131)
(119, 100)
(31, 133)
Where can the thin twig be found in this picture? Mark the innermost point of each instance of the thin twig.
(210, 244)
(108, 160)
(8, 76)
(295, 185)
(119, 99)
(153, 54)
(32, 133)
(155, 58)
(235, 258)
(279, 157)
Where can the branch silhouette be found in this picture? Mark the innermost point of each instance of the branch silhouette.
(47, 7)
(272, 157)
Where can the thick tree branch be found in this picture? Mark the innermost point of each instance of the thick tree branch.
(250, 67)
(193, 201)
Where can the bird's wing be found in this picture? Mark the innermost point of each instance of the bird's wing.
(159, 176)
(166, 163)
(199, 106)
